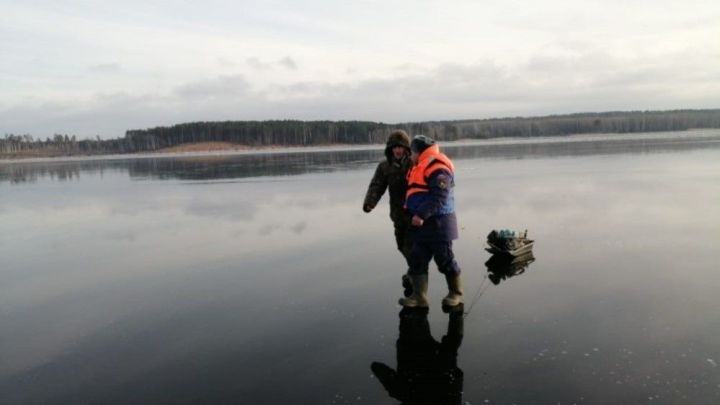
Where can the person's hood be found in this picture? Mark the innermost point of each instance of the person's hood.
(397, 138)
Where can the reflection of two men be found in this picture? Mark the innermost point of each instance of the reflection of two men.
(427, 371)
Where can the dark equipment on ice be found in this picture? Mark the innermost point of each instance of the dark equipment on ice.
(509, 243)
(512, 254)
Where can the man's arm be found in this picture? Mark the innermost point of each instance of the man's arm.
(376, 189)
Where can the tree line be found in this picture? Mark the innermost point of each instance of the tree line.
(276, 164)
(312, 133)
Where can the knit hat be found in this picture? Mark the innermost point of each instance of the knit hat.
(420, 143)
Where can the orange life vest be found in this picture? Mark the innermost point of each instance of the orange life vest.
(428, 162)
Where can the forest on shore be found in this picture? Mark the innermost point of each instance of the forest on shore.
(280, 133)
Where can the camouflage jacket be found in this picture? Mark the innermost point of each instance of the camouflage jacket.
(390, 175)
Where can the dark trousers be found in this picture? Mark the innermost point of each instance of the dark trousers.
(422, 252)
(402, 238)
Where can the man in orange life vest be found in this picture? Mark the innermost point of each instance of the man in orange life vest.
(431, 202)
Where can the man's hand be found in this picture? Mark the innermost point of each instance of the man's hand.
(367, 208)
(417, 221)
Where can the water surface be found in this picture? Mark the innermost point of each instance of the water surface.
(258, 279)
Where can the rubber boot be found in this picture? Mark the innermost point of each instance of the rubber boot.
(407, 285)
(418, 298)
(455, 293)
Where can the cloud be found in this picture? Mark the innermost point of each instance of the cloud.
(219, 88)
(226, 62)
(288, 63)
(90, 70)
(106, 68)
(299, 227)
(121, 235)
(544, 84)
(257, 64)
(260, 65)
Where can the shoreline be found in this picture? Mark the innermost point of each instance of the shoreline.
(227, 149)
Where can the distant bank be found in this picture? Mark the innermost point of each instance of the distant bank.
(248, 135)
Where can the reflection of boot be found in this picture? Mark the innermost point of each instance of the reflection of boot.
(407, 285)
(456, 327)
(454, 283)
(419, 294)
(385, 374)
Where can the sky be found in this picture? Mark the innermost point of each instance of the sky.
(99, 68)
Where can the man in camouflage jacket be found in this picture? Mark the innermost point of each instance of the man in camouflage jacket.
(390, 174)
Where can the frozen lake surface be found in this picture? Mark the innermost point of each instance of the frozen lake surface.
(257, 279)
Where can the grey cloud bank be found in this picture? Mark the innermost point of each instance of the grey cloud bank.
(446, 92)
(275, 63)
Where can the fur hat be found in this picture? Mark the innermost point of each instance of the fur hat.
(420, 143)
(398, 137)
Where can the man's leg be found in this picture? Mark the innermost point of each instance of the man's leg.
(420, 256)
(404, 244)
(402, 236)
(445, 260)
